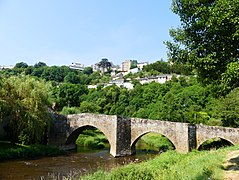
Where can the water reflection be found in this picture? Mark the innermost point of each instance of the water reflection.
(83, 162)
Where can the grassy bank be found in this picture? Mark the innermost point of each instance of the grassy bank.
(171, 165)
(157, 141)
(16, 151)
(93, 139)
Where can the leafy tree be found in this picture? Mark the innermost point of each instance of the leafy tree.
(226, 109)
(72, 78)
(104, 64)
(39, 65)
(21, 65)
(37, 71)
(230, 79)
(88, 70)
(53, 73)
(25, 114)
(208, 37)
(89, 107)
(29, 70)
(134, 64)
(69, 95)
(70, 110)
(160, 66)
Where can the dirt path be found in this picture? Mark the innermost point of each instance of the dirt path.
(232, 166)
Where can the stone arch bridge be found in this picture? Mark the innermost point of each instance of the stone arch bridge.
(123, 133)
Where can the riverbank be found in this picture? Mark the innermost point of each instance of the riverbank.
(231, 166)
(17, 151)
(172, 165)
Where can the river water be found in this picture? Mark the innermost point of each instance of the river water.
(83, 162)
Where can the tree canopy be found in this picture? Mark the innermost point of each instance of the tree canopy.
(24, 111)
(208, 38)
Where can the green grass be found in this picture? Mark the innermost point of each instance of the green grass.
(196, 165)
(158, 141)
(16, 151)
(93, 139)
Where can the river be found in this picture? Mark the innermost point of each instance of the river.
(83, 162)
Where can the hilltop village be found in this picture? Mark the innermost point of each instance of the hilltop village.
(120, 75)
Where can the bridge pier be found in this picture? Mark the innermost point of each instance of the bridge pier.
(121, 147)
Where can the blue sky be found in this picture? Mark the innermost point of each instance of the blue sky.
(59, 32)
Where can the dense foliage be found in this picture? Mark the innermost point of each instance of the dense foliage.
(17, 151)
(208, 39)
(24, 111)
(182, 100)
(168, 68)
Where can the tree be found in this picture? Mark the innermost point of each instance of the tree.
(226, 109)
(67, 94)
(53, 73)
(72, 78)
(104, 64)
(208, 37)
(21, 65)
(134, 64)
(89, 107)
(160, 66)
(39, 64)
(24, 109)
(88, 70)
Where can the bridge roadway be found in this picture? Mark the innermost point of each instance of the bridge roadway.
(123, 133)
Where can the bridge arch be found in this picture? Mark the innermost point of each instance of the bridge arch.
(135, 139)
(107, 124)
(199, 143)
(204, 133)
(71, 139)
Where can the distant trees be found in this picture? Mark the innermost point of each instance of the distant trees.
(168, 68)
(21, 65)
(133, 64)
(39, 65)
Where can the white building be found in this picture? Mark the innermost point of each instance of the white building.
(77, 66)
(121, 83)
(159, 79)
(141, 65)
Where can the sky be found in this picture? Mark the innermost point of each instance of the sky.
(59, 32)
